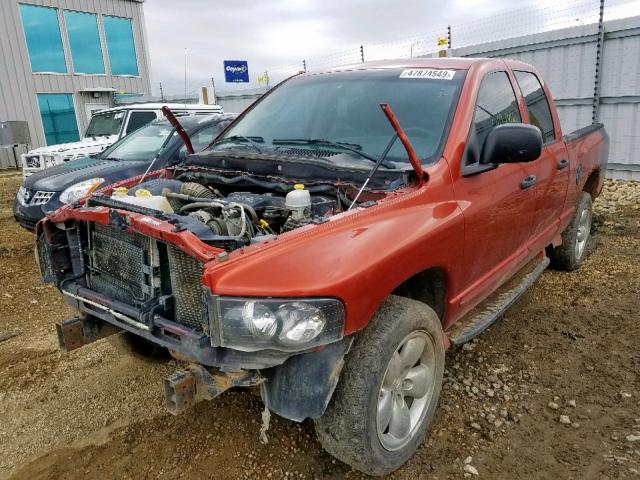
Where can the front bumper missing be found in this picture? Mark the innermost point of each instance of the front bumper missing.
(190, 344)
(195, 383)
(296, 387)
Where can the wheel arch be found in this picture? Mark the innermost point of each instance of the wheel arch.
(593, 185)
(428, 286)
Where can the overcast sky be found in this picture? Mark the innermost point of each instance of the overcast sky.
(279, 33)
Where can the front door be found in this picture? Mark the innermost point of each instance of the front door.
(497, 205)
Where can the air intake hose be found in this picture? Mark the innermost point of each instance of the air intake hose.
(194, 189)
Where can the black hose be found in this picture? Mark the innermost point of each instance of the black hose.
(200, 205)
(277, 186)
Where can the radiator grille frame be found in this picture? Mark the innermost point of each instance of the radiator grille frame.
(185, 274)
(126, 267)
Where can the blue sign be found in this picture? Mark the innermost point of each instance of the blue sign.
(236, 71)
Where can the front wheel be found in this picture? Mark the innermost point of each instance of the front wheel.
(570, 255)
(388, 391)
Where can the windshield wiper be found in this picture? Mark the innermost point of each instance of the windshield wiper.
(253, 141)
(350, 147)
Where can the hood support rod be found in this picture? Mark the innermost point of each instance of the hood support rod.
(413, 158)
(179, 128)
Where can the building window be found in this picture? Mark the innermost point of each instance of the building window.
(58, 118)
(84, 41)
(44, 41)
(122, 53)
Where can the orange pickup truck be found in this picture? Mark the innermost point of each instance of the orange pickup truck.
(334, 241)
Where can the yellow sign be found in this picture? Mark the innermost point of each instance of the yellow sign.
(264, 78)
(442, 41)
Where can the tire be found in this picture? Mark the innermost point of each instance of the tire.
(138, 347)
(575, 238)
(348, 430)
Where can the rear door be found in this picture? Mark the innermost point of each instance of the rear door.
(551, 170)
(497, 209)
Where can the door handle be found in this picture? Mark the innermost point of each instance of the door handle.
(528, 181)
(564, 163)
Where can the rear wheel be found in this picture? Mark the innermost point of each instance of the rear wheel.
(575, 238)
(388, 391)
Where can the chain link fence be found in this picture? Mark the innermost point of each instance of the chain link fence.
(513, 23)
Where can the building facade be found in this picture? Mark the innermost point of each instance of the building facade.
(61, 60)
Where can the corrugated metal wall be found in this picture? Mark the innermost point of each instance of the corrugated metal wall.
(19, 86)
(566, 58)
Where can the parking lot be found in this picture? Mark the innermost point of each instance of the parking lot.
(570, 347)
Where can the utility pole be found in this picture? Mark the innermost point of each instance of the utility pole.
(185, 77)
(304, 65)
(362, 53)
(595, 115)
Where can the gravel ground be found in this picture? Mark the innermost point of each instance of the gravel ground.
(552, 390)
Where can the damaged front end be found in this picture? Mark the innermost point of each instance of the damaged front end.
(128, 265)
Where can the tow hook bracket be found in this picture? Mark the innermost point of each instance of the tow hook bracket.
(78, 331)
(195, 383)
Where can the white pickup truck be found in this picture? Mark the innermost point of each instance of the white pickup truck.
(105, 128)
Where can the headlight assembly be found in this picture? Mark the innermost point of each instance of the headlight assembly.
(251, 324)
(79, 190)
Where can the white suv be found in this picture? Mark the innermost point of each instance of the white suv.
(105, 128)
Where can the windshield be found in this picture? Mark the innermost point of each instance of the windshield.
(103, 124)
(143, 144)
(343, 110)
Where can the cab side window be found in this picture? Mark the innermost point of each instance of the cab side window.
(496, 105)
(139, 119)
(537, 104)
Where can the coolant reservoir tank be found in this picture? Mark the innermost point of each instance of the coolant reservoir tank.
(143, 198)
(298, 201)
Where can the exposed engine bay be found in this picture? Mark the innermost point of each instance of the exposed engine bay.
(229, 217)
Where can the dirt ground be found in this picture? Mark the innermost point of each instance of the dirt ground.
(552, 390)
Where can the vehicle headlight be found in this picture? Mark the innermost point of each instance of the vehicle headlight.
(251, 324)
(81, 189)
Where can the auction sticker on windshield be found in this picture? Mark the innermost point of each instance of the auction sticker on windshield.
(428, 73)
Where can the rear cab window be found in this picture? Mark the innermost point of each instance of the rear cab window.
(537, 104)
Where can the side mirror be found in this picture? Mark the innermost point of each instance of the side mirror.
(512, 143)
